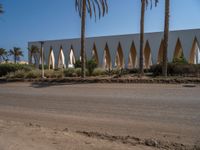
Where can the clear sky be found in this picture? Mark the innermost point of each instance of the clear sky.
(33, 20)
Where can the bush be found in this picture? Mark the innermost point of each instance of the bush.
(8, 68)
(53, 74)
(77, 72)
(45, 67)
(69, 72)
(91, 65)
(20, 74)
(98, 72)
(33, 74)
(180, 60)
(16, 74)
(77, 64)
(176, 69)
(133, 71)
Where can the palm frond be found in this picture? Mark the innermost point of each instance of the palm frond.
(151, 2)
(1, 9)
(92, 7)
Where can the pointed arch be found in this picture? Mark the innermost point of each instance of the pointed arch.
(178, 52)
(51, 63)
(147, 56)
(194, 53)
(95, 54)
(61, 59)
(160, 53)
(33, 59)
(132, 59)
(107, 58)
(71, 57)
(119, 59)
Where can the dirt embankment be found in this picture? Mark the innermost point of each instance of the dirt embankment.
(20, 136)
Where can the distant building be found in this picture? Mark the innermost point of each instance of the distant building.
(121, 51)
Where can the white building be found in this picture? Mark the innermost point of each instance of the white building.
(121, 51)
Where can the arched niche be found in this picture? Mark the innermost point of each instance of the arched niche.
(178, 52)
(147, 56)
(61, 59)
(51, 63)
(195, 53)
(132, 62)
(95, 54)
(71, 60)
(107, 58)
(119, 58)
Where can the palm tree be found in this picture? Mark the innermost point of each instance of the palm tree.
(3, 54)
(34, 50)
(90, 6)
(144, 4)
(166, 37)
(17, 53)
(1, 9)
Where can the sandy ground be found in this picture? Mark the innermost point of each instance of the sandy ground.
(106, 116)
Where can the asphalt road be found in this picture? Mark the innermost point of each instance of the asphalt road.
(167, 112)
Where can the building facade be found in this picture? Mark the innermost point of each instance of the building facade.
(120, 51)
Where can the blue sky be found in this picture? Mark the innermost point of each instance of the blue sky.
(33, 20)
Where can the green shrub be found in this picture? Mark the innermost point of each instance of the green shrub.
(33, 74)
(77, 72)
(157, 70)
(16, 74)
(20, 74)
(69, 72)
(53, 74)
(99, 72)
(176, 69)
(8, 68)
(77, 64)
(45, 67)
(133, 71)
(180, 60)
(91, 65)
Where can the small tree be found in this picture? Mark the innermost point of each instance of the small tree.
(16, 53)
(3, 54)
(91, 65)
(34, 50)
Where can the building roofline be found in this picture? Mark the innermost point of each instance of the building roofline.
(120, 35)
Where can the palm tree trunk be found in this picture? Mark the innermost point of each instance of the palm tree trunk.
(15, 58)
(166, 37)
(83, 18)
(142, 38)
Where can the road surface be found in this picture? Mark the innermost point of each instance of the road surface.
(147, 111)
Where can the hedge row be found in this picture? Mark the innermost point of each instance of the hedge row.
(8, 68)
(177, 69)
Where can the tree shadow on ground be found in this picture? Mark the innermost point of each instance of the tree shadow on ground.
(46, 84)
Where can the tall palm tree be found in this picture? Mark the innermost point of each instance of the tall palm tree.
(34, 50)
(90, 6)
(3, 54)
(144, 4)
(166, 37)
(16, 53)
